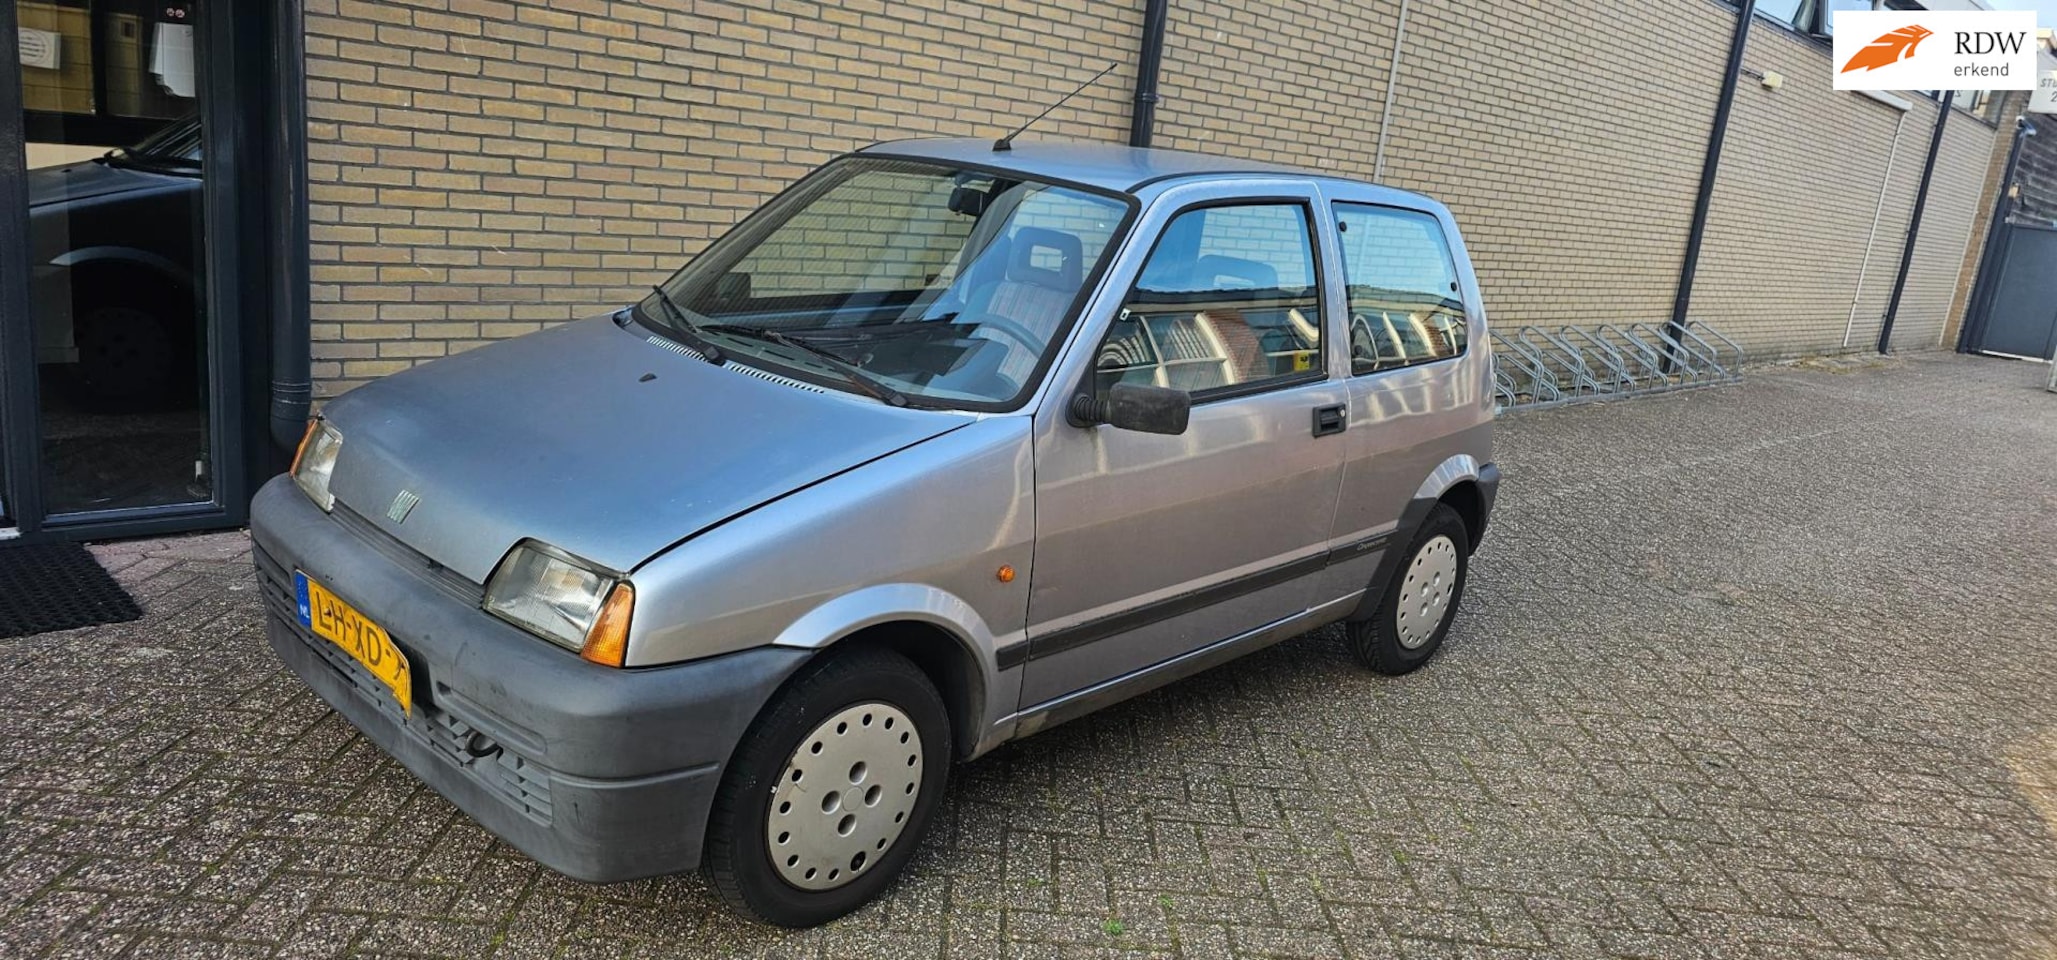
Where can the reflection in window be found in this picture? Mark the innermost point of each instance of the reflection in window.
(1402, 284)
(1828, 20)
(117, 257)
(1227, 299)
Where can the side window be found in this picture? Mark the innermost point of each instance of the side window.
(1404, 304)
(1227, 300)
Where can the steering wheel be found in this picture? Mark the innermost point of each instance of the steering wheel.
(1019, 333)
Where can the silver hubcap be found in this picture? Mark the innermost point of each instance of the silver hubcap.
(844, 797)
(1431, 578)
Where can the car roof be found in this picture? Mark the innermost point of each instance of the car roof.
(1102, 165)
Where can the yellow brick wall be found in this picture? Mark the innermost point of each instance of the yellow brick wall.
(481, 168)
(1946, 250)
(1566, 138)
(1785, 259)
(1800, 185)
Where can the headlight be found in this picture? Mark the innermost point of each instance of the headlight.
(316, 461)
(560, 598)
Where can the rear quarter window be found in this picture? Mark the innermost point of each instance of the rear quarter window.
(1401, 279)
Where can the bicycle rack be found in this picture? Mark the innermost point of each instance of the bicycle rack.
(1614, 363)
(1537, 367)
(1528, 377)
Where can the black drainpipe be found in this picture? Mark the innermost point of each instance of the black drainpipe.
(291, 386)
(1928, 173)
(1745, 12)
(1973, 327)
(1143, 120)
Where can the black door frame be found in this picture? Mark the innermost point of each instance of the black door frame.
(21, 502)
(255, 225)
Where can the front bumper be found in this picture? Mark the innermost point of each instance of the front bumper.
(598, 773)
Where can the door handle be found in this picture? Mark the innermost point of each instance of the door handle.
(1329, 420)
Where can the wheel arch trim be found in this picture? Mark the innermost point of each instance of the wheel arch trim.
(1454, 470)
(101, 255)
(884, 605)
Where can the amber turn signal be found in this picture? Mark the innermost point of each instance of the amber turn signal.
(607, 644)
(313, 424)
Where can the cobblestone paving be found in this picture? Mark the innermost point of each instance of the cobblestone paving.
(1764, 671)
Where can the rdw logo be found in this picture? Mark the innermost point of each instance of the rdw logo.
(1986, 50)
(1890, 49)
(1989, 41)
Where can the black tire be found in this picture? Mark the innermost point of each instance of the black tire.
(136, 349)
(1378, 642)
(737, 859)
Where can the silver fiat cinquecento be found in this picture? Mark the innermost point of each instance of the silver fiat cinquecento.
(944, 445)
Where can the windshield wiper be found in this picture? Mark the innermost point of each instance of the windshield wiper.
(850, 371)
(127, 157)
(686, 329)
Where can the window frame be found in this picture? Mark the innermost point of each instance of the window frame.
(1343, 263)
(1319, 286)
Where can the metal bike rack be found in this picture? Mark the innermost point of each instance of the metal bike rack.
(1538, 367)
(1527, 378)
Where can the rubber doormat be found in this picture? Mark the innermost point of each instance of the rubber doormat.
(57, 586)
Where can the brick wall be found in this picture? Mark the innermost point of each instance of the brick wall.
(1810, 214)
(1567, 139)
(1946, 252)
(480, 168)
(1805, 175)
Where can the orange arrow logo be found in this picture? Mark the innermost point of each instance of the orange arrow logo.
(1889, 49)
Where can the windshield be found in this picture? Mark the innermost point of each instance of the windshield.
(936, 285)
(177, 146)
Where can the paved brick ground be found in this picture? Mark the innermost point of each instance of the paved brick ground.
(1766, 671)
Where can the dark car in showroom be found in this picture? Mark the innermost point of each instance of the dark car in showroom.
(116, 286)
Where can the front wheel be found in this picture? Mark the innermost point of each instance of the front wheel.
(1420, 600)
(830, 791)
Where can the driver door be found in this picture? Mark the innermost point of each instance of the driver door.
(1149, 547)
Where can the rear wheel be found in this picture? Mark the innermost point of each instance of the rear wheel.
(830, 791)
(135, 347)
(1420, 599)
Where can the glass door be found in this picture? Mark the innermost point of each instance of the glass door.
(116, 177)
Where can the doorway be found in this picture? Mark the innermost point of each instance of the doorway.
(142, 158)
(2019, 313)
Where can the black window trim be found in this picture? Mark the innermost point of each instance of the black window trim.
(1320, 286)
(1449, 251)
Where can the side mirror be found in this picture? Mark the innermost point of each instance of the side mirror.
(1133, 406)
(730, 287)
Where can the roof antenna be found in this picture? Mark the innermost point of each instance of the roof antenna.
(1006, 143)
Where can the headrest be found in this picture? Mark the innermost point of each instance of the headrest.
(1210, 272)
(1021, 264)
(969, 201)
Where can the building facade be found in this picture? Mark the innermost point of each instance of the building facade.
(463, 171)
(481, 168)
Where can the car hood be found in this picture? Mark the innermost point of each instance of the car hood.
(87, 180)
(594, 439)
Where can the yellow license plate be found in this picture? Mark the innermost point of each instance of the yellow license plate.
(366, 642)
